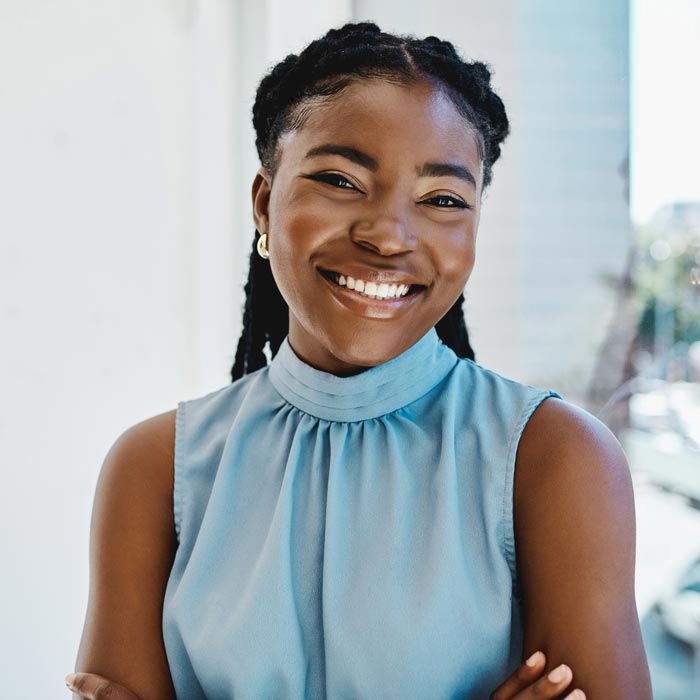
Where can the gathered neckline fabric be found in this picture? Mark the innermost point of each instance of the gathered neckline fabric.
(372, 393)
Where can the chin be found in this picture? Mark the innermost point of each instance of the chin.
(368, 350)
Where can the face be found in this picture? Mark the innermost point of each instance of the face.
(379, 190)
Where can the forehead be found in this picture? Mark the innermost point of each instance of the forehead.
(417, 121)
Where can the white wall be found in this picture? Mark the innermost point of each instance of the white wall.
(104, 201)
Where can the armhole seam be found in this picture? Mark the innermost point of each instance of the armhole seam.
(178, 467)
(508, 538)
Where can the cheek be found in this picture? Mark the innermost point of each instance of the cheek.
(296, 234)
(457, 255)
(297, 228)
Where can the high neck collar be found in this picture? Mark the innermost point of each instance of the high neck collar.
(371, 393)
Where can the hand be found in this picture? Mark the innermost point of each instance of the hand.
(528, 682)
(94, 687)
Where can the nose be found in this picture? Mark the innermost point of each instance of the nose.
(385, 233)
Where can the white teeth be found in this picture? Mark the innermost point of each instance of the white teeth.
(373, 290)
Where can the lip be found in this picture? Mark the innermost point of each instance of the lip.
(371, 308)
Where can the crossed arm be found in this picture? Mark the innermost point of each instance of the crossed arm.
(132, 547)
(575, 543)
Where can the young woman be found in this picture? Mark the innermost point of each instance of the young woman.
(373, 514)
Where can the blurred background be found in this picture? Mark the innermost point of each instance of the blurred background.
(125, 228)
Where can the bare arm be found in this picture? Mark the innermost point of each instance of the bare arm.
(132, 547)
(575, 541)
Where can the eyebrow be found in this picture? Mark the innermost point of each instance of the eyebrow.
(352, 154)
(447, 170)
(366, 161)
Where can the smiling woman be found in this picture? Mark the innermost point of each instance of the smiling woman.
(372, 514)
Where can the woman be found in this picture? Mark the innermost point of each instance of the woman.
(373, 514)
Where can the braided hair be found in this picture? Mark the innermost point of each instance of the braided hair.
(326, 66)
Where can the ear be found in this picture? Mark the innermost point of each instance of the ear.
(262, 185)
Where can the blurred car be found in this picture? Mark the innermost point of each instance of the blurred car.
(680, 611)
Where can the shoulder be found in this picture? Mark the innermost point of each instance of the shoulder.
(485, 384)
(575, 540)
(144, 454)
(560, 432)
(567, 453)
(224, 402)
(157, 432)
(134, 492)
(572, 478)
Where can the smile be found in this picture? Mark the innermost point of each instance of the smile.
(372, 307)
(371, 290)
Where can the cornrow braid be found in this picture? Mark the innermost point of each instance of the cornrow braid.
(325, 67)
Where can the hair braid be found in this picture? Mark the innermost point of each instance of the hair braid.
(452, 330)
(326, 66)
(265, 318)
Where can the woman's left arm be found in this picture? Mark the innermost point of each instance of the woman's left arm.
(574, 522)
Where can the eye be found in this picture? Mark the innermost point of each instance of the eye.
(335, 179)
(445, 202)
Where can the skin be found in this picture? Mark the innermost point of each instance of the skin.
(573, 499)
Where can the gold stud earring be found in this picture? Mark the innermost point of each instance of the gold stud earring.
(262, 247)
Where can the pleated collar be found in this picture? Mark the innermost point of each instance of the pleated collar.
(372, 393)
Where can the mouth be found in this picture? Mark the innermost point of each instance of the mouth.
(382, 291)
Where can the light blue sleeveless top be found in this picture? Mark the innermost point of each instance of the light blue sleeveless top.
(348, 538)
